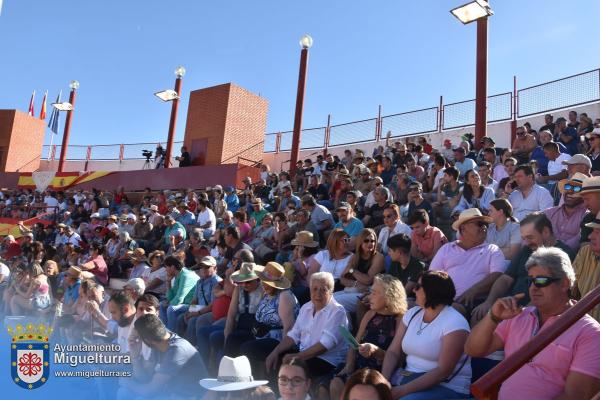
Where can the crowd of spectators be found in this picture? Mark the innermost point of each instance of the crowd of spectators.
(405, 273)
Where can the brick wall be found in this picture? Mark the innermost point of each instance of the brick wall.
(231, 119)
(21, 140)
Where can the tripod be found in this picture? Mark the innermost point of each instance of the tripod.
(147, 164)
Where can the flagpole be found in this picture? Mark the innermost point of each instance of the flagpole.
(53, 116)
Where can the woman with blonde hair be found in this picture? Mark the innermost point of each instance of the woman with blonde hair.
(334, 258)
(376, 330)
(360, 271)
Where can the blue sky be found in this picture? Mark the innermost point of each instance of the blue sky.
(400, 54)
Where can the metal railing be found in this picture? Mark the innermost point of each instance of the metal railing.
(571, 91)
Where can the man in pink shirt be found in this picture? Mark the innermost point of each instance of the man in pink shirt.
(472, 263)
(569, 367)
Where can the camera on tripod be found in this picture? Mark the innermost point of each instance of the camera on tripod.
(147, 154)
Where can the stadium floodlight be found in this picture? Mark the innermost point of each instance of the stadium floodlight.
(167, 95)
(306, 42)
(472, 11)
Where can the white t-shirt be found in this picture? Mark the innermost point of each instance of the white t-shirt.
(335, 267)
(423, 349)
(51, 202)
(385, 234)
(207, 216)
(556, 166)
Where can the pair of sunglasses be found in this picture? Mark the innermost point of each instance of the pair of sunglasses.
(541, 281)
(573, 188)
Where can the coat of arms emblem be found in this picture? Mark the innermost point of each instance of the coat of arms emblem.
(30, 355)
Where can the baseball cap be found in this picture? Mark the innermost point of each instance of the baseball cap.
(579, 159)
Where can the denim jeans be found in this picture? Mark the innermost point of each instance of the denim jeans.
(436, 392)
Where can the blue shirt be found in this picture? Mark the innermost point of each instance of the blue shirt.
(71, 293)
(353, 228)
(233, 202)
(187, 218)
(204, 290)
(465, 166)
(572, 146)
(387, 175)
(542, 161)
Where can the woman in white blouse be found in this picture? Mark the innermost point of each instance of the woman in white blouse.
(432, 336)
(334, 258)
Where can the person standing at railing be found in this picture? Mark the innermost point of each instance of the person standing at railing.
(569, 367)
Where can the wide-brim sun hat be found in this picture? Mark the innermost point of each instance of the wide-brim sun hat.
(596, 132)
(304, 238)
(247, 272)
(234, 374)
(468, 215)
(595, 224)
(273, 275)
(576, 180)
(590, 185)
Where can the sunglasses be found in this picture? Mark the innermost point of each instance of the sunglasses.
(369, 241)
(346, 240)
(573, 188)
(541, 281)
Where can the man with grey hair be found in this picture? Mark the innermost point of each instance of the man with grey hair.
(569, 367)
(315, 336)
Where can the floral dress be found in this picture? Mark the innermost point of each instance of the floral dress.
(380, 331)
(267, 313)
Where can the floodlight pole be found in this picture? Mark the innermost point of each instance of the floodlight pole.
(481, 81)
(67, 130)
(299, 109)
(172, 122)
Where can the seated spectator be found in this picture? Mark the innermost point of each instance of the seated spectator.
(134, 288)
(472, 263)
(432, 336)
(275, 316)
(474, 195)
(376, 331)
(358, 275)
(462, 163)
(96, 264)
(367, 384)
(510, 164)
(569, 366)
(418, 202)
(393, 225)
(527, 197)
(178, 364)
(201, 304)
(122, 312)
(567, 135)
(504, 229)
(233, 240)
(485, 172)
(556, 167)
(33, 294)
(404, 266)
(241, 315)
(523, 145)
(374, 214)
(426, 239)
(156, 276)
(413, 169)
(286, 197)
(449, 193)
(348, 222)
(319, 215)
(536, 231)
(587, 266)
(305, 249)
(294, 380)
(232, 199)
(334, 258)
(315, 337)
(235, 379)
(206, 220)
(239, 219)
(262, 234)
(139, 266)
(594, 152)
(566, 218)
(181, 283)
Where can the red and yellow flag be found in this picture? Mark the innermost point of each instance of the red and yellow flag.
(43, 110)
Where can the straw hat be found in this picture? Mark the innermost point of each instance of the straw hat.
(304, 238)
(234, 374)
(576, 180)
(74, 272)
(590, 185)
(247, 272)
(273, 275)
(138, 254)
(469, 215)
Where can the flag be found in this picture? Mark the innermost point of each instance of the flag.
(31, 111)
(43, 110)
(53, 123)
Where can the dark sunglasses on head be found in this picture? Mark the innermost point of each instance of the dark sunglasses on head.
(541, 281)
(573, 188)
